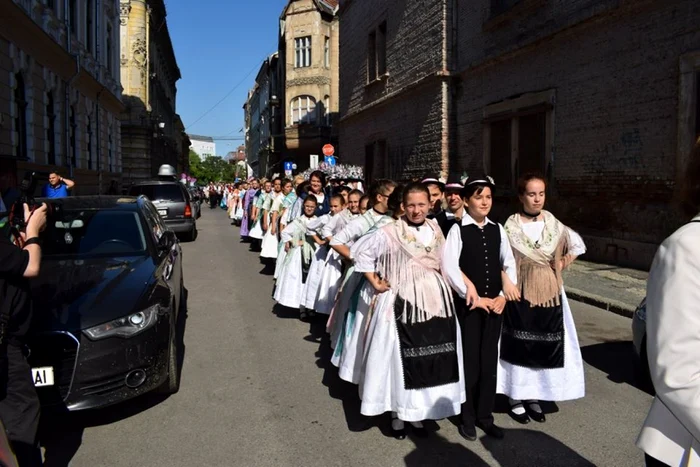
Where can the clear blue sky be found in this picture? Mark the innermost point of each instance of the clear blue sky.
(217, 43)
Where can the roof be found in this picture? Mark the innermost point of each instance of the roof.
(329, 7)
(208, 139)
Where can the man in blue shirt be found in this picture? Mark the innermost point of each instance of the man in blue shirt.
(57, 187)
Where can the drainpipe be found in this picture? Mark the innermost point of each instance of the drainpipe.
(69, 85)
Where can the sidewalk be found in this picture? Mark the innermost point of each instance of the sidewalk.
(609, 287)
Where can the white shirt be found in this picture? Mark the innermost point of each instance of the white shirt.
(453, 250)
(314, 226)
(355, 229)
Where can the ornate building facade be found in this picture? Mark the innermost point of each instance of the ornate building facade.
(308, 77)
(60, 97)
(152, 132)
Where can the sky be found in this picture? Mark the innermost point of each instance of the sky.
(219, 46)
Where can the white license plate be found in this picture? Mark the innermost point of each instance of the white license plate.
(163, 212)
(42, 376)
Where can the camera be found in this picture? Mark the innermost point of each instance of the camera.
(27, 188)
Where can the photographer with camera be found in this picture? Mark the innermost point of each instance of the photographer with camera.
(20, 258)
(57, 187)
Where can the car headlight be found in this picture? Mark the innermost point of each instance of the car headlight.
(127, 326)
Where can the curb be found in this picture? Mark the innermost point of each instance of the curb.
(608, 304)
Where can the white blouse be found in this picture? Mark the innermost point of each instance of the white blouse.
(355, 229)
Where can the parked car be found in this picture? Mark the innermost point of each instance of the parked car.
(639, 339)
(173, 202)
(106, 302)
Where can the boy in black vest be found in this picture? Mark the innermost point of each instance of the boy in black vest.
(476, 252)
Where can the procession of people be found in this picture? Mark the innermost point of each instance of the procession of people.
(431, 307)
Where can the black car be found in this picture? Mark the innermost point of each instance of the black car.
(106, 303)
(173, 202)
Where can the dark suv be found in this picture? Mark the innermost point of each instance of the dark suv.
(174, 204)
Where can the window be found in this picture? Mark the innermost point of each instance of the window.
(108, 55)
(376, 160)
(21, 149)
(73, 16)
(327, 110)
(303, 110)
(376, 53)
(73, 146)
(518, 137)
(89, 143)
(88, 25)
(327, 52)
(109, 150)
(501, 6)
(51, 129)
(302, 52)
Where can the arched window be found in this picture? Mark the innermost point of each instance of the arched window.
(51, 128)
(327, 110)
(20, 117)
(303, 110)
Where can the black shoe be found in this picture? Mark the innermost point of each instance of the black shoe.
(420, 432)
(492, 431)
(303, 315)
(536, 415)
(467, 432)
(399, 434)
(522, 418)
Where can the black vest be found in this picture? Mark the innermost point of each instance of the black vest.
(480, 259)
(445, 223)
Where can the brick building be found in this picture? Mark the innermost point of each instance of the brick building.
(602, 96)
(60, 97)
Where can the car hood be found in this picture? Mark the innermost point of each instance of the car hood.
(76, 294)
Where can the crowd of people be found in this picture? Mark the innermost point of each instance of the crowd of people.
(431, 307)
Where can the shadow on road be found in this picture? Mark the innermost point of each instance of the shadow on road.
(285, 312)
(530, 447)
(618, 360)
(61, 432)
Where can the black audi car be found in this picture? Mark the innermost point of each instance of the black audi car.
(105, 303)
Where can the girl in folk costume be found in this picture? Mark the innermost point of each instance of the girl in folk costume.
(413, 351)
(341, 242)
(257, 232)
(300, 249)
(246, 221)
(540, 355)
(268, 249)
(353, 305)
(239, 205)
(333, 268)
(233, 203)
(475, 254)
(313, 282)
(285, 220)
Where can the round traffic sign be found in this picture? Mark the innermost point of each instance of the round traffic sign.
(328, 150)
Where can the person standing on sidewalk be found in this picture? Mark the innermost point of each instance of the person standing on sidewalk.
(475, 254)
(540, 358)
(671, 431)
(57, 187)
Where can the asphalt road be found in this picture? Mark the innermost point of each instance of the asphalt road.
(258, 390)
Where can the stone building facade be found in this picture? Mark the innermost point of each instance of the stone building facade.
(601, 96)
(152, 132)
(60, 97)
(309, 81)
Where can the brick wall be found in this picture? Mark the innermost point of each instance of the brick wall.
(615, 74)
(406, 107)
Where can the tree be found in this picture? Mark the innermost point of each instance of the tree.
(195, 165)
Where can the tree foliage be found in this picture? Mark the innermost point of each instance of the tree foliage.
(211, 169)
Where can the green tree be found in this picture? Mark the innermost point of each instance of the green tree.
(195, 165)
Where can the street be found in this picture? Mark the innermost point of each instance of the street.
(258, 389)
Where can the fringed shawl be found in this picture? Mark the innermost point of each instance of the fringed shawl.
(413, 272)
(539, 263)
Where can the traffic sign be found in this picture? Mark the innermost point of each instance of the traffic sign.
(328, 150)
(287, 166)
(313, 161)
(329, 160)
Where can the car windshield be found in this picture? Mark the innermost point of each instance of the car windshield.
(158, 192)
(94, 233)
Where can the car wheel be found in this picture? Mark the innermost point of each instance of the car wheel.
(191, 236)
(172, 383)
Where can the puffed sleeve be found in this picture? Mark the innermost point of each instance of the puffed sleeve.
(576, 245)
(673, 326)
(350, 233)
(366, 251)
(327, 230)
(507, 257)
(449, 265)
(289, 231)
(316, 224)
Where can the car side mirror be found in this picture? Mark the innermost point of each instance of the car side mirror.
(167, 240)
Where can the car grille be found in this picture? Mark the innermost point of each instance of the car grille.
(60, 351)
(104, 386)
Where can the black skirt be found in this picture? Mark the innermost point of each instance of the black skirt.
(533, 336)
(428, 350)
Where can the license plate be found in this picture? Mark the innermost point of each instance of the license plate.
(163, 212)
(42, 376)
